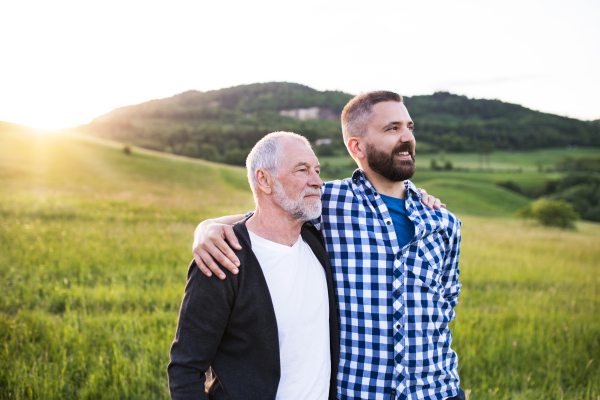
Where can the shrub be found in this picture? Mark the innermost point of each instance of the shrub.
(556, 213)
(127, 149)
(585, 198)
(324, 150)
(444, 165)
(510, 185)
(236, 157)
(209, 152)
(190, 149)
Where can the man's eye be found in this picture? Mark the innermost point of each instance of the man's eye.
(392, 128)
(411, 128)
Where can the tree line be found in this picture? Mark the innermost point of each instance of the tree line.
(223, 125)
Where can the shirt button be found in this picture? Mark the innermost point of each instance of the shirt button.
(375, 194)
(398, 256)
(388, 222)
(397, 326)
(397, 293)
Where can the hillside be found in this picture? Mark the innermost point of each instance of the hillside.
(222, 125)
(457, 123)
(68, 163)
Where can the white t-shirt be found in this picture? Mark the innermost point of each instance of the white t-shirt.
(298, 289)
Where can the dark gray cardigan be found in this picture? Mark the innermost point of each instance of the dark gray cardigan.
(230, 328)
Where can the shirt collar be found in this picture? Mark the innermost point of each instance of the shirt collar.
(412, 190)
(359, 178)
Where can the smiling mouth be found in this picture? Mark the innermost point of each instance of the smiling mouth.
(403, 154)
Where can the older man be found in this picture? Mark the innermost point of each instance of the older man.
(269, 332)
(395, 262)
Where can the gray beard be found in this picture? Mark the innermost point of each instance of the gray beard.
(298, 209)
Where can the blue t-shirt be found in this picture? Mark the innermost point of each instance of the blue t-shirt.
(404, 227)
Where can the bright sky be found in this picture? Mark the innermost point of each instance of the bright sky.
(64, 62)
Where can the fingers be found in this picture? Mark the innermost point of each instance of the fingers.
(210, 264)
(219, 249)
(231, 262)
(232, 239)
(426, 199)
(430, 201)
(200, 264)
(210, 248)
(226, 257)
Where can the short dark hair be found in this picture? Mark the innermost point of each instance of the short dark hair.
(358, 112)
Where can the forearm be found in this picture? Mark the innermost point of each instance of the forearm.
(451, 270)
(226, 220)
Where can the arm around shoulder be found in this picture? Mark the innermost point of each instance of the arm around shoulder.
(213, 242)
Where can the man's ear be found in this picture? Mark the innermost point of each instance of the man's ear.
(265, 181)
(356, 147)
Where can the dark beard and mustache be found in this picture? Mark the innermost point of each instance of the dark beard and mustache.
(385, 165)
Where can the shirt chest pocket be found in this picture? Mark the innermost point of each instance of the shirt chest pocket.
(431, 251)
(364, 219)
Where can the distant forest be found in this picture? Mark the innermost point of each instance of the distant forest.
(223, 125)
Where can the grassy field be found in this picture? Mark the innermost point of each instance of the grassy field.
(94, 246)
(470, 189)
(498, 160)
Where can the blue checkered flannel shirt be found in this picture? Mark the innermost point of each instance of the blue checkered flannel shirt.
(395, 303)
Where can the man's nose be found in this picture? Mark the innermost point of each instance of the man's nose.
(314, 180)
(407, 135)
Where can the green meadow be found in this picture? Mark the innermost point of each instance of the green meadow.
(94, 248)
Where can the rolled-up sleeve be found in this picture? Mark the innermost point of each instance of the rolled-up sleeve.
(451, 270)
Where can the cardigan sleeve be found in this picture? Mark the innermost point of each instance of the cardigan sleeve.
(203, 317)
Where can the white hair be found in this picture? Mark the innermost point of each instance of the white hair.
(268, 154)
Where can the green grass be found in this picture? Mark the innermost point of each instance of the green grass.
(94, 246)
(467, 197)
(528, 325)
(528, 161)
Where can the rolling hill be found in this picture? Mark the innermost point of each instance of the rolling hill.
(223, 125)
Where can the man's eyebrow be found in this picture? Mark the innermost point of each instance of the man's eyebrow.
(409, 123)
(391, 124)
(305, 164)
